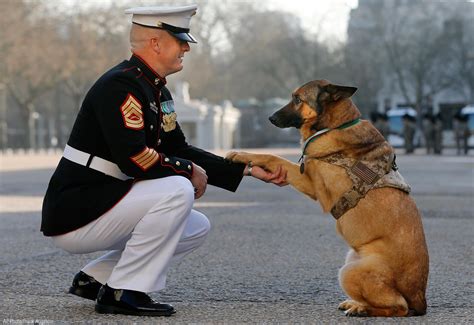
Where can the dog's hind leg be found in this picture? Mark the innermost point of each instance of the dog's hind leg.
(370, 283)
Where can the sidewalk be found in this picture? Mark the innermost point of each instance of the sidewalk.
(272, 255)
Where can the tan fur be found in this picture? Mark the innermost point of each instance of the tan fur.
(386, 270)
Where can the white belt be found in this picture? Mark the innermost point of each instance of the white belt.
(94, 162)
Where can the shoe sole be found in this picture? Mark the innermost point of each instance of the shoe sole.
(105, 309)
(81, 293)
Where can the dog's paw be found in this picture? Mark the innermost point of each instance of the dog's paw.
(357, 311)
(230, 155)
(346, 304)
(235, 156)
(353, 308)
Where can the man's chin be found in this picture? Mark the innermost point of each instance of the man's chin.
(177, 69)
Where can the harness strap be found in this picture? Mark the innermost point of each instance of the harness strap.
(318, 134)
(364, 174)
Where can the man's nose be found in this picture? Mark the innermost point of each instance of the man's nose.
(186, 47)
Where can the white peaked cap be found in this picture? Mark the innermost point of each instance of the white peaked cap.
(175, 20)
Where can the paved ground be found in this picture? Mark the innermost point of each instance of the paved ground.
(272, 255)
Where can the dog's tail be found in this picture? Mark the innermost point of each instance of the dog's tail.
(417, 306)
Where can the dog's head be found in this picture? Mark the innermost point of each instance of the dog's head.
(317, 105)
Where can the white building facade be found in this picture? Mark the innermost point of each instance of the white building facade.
(206, 125)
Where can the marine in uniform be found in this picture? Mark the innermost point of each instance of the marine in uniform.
(438, 133)
(428, 132)
(461, 133)
(128, 179)
(409, 129)
(381, 123)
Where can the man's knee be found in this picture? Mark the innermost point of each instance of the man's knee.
(171, 205)
(183, 190)
(197, 227)
(204, 226)
(178, 196)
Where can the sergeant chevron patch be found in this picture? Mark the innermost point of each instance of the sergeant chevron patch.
(146, 158)
(132, 113)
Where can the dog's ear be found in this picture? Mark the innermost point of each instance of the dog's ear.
(339, 92)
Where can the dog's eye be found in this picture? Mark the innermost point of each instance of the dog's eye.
(297, 100)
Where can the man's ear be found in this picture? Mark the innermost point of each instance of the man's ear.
(155, 44)
(339, 92)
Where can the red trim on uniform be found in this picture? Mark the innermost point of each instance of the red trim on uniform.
(177, 171)
(150, 82)
(151, 69)
(128, 69)
(140, 72)
(144, 157)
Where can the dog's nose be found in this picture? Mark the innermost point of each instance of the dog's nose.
(272, 119)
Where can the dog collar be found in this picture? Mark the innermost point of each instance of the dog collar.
(319, 133)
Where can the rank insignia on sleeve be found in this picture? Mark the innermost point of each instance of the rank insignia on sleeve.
(146, 158)
(132, 113)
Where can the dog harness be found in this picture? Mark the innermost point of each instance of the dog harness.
(365, 174)
(319, 133)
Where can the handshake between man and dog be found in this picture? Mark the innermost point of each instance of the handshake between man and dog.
(348, 166)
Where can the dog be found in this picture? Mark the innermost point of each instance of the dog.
(349, 167)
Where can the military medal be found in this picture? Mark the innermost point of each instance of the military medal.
(168, 122)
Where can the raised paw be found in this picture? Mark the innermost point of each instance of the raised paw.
(236, 156)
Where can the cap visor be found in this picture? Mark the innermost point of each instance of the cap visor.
(184, 37)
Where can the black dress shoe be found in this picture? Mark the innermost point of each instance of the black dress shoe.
(129, 302)
(85, 286)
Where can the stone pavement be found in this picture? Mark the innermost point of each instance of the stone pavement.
(272, 255)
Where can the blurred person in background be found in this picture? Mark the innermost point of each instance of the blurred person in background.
(461, 133)
(428, 132)
(128, 179)
(380, 121)
(438, 133)
(409, 129)
(382, 125)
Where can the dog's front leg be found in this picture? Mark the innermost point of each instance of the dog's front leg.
(271, 162)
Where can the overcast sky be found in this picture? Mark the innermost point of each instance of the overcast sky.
(327, 18)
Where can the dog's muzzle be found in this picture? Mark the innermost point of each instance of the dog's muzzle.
(273, 120)
(285, 121)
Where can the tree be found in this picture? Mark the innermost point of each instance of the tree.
(458, 57)
(403, 45)
(258, 54)
(92, 40)
(30, 66)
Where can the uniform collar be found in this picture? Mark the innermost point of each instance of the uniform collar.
(148, 72)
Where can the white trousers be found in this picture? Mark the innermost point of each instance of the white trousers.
(151, 227)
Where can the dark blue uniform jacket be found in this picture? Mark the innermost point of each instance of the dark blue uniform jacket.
(125, 119)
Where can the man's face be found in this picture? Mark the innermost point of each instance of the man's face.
(172, 52)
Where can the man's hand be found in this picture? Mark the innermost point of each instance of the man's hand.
(199, 181)
(277, 178)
